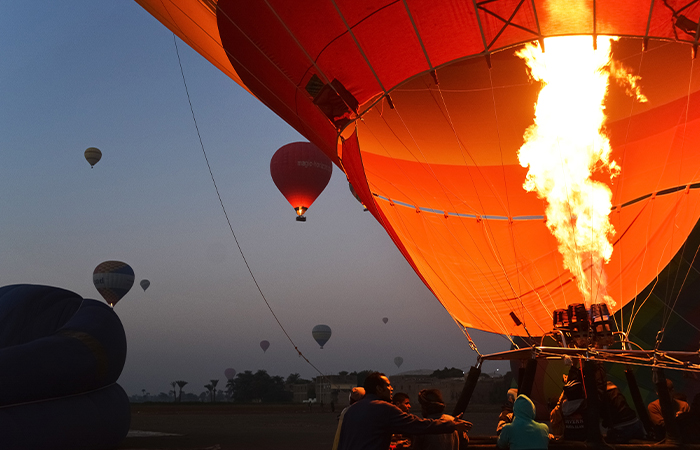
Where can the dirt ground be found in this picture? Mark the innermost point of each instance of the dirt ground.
(223, 426)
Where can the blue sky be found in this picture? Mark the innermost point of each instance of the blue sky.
(77, 74)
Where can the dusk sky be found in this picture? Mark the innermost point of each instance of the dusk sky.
(77, 74)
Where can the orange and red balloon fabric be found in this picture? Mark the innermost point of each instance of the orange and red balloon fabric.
(423, 104)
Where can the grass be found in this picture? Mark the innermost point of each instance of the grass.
(229, 426)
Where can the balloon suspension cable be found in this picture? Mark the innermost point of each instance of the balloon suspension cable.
(472, 344)
(240, 250)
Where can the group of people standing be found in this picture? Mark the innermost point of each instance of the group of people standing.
(378, 419)
(618, 418)
(375, 423)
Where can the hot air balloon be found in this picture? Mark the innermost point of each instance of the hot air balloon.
(436, 112)
(321, 333)
(398, 361)
(144, 284)
(113, 279)
(93, 156)
(230, 373)
(264, 345)
(301, 172)
(385, 320)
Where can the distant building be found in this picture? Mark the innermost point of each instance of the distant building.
(300, 392)
(489, 390)
(336, 388)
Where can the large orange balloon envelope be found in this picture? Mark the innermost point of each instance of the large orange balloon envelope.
(301, 172)
(424, 105)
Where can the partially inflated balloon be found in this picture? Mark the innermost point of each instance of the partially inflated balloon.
(144, 284)
(93, 155)
(398, 361)
(321, 334)
(230, 373)
(301, 172)
(113, 279)
(264, 345)
(385, 320)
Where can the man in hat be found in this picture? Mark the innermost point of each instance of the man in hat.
(506, 415)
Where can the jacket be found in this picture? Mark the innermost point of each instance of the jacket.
(524, 433)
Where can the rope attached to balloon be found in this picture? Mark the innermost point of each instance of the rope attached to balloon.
(233, 233)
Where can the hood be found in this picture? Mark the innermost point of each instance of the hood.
(523, 408)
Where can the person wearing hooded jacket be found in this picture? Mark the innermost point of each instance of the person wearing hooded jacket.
(524, 433)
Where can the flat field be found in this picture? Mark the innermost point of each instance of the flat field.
(225, 426)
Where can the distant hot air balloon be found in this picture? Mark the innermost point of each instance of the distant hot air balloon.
(398, 361)
(264, 345)
(93, 155)
(321, 334)
(229, 373)
(144, 284)
(385, 320)
(300, 171)
(113, 279)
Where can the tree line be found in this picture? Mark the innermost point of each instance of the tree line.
(260, 386)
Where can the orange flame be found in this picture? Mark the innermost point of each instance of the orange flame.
(566, 144)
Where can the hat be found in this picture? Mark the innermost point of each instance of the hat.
(512, 395)
(431, 401)
(356, 394)
(573, 390)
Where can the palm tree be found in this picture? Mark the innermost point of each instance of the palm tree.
(229, 389)
(173, 384)
(180, 384)
(213, 390)
(210, 388)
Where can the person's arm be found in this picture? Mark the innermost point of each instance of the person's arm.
(398, 421)
(655, 413)
(504, 418)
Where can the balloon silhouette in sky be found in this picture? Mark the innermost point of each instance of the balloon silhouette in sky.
(321, 333)
(398, 361)
(93, 156)
(301, 172)
(230, 373)
(264, 345)
(385, 320)
(144, 284)
(113, 279)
